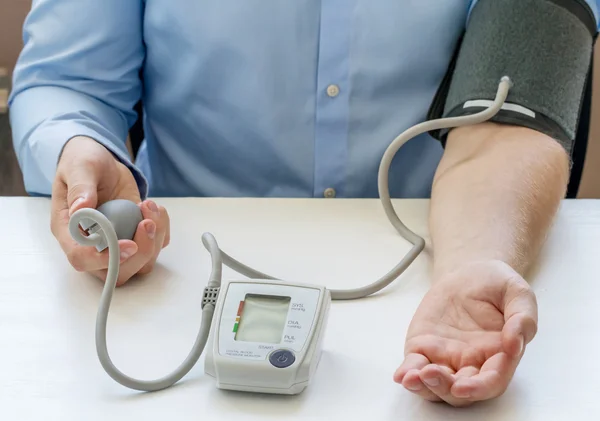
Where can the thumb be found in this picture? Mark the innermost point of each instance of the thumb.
(520, 317)
(82, 188)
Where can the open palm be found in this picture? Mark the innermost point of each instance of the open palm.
(468, 335)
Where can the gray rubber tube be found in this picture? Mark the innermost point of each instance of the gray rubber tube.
(110, 237)
(106, 234)
(384, 195)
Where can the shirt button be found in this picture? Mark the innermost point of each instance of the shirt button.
(329, 193)
(333, 90)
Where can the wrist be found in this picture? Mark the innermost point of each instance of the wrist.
(75, 145)
(70, 145)
(485, 268)
(457, 259)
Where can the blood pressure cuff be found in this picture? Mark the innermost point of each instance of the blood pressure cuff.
(543, 46)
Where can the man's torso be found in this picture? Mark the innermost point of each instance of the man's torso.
(292, 98)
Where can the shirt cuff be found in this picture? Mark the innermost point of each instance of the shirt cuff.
(50, 141)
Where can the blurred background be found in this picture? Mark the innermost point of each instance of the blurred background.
(586, 182)
(12, 14)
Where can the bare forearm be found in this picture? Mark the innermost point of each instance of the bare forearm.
(495, 194)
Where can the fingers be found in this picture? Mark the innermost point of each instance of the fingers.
(469, 371)
(87, 259)
(162, 231)
(463, 388)
(144, 238)
(411, 361)
(136, 257)
(491, 381)
(440, 380)
(513, 335)
(149, 237)
(437, 380)
(167, 238)
(62, 209)
(82, 259)
(521, 317)
(412, 381)
(408, 376)
(82, 187)
(74, 188)
(471, 383)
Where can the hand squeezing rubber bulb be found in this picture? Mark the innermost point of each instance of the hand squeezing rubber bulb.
(124, 215)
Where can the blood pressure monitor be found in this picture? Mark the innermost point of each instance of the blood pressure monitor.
(263, 334)
(266, 336)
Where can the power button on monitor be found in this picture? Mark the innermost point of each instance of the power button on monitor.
(282, 358)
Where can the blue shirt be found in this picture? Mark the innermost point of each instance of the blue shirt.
(241, 98)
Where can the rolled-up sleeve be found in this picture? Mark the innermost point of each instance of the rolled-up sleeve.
(77, 75)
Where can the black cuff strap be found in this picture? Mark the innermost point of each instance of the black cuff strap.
(543, 46)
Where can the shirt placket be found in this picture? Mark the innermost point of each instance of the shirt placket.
(332, 98)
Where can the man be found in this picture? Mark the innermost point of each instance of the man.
(296, 99)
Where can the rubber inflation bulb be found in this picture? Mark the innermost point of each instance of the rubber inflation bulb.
(124, 215)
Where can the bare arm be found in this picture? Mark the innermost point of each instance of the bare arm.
(495, 194)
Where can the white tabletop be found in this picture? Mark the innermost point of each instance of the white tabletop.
(49, 369)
